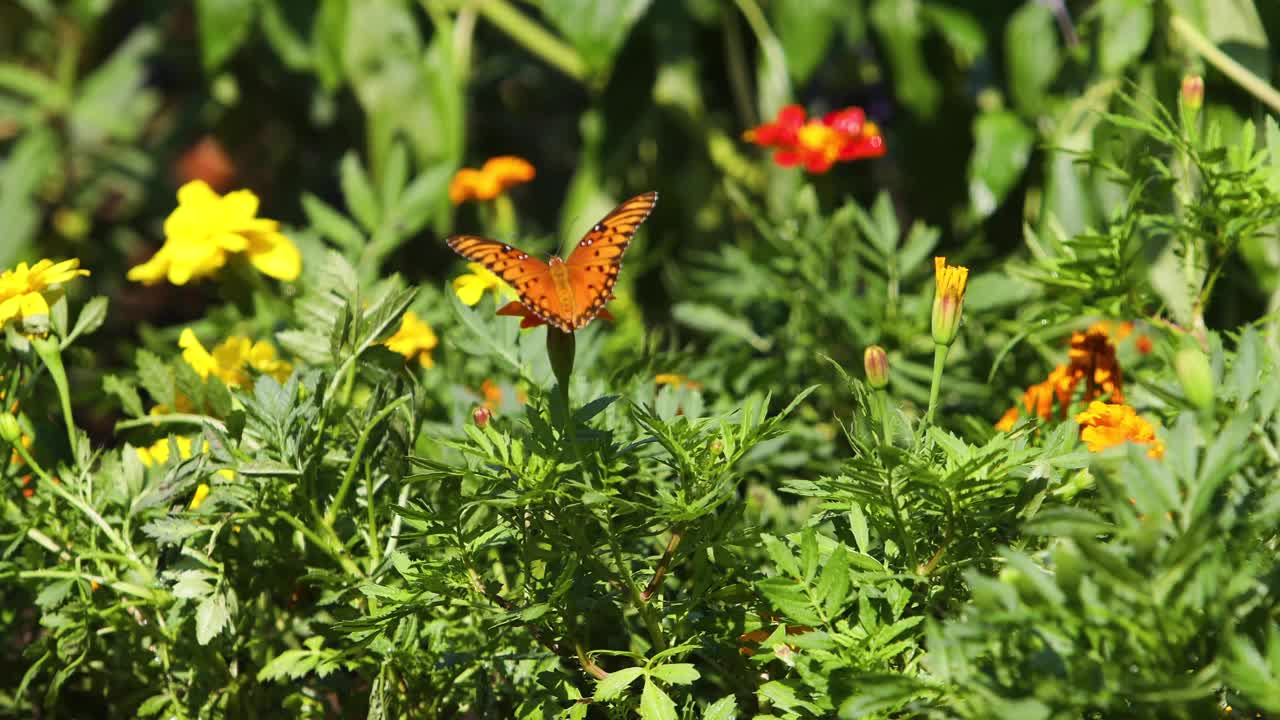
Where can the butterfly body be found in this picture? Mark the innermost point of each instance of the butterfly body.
(565, 293)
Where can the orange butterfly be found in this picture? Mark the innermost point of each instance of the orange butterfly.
(567, 294)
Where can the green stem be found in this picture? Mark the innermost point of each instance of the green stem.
(939, 361)
(661, 571)
(1241, 75)
(331, 515)
(534, 38)
(338, 554)
(375, 550)
(172, 419)
(50, 353)
(887, 437)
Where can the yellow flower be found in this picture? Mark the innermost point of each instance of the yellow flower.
(471, 287)
(1105, 425)
(14, 458)
(414, 339)
(202, 492)
(231, 359)
(26, 291)
(676, 380)
(158, 453)
(490, 181)
(207, 228)
(948, 300)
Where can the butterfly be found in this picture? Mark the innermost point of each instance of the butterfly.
(566, 294)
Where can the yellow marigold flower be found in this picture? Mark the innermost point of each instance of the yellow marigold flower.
(676, 380)
(490, 181)
(948, 300)
(202, 492)
(231, 360)
(415, 338)
(1105, 425)
(207, 228)
(26, 291)
(472, 286)
(158, 453)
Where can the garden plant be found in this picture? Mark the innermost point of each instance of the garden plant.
(640, 358)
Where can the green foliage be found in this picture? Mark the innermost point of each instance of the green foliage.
(712, 516)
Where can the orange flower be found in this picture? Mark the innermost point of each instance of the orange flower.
(492, 393)
(1008, 420)
(1106, 425)
(1092, 358)
(497, 175)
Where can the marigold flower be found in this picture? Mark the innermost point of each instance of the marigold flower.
(231, 360)
(676, 380)
(494, 178)
(876, 364)
(948, 301)
(1105, 425)
(202, 492)
(207, 228)
(1093, 358)
(158, 453)
(471, 287)
(1008, 420)
(27, 291)
(415, 338)
(840, 136)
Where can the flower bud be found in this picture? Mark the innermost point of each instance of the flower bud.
(10, 430)
(1192, 366)
(560, 350)
(481, 416)
(1192, 95)
(876, 363)
(948, 301)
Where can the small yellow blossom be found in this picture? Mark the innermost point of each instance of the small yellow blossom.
(207, 228)
(1106, 424)
(231, 360)
(948, 300)
(471, 287)
(26, 291)
(414, 339)
(676, 380)
(202, 492)
(158, 453)
(490, 181)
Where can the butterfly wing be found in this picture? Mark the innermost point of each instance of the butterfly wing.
(595, 262)
(529, 276)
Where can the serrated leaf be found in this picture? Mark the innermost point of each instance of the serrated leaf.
(91, 317)
(612, 686)
(676, 673)
(171, 530)
(192, 584)
(656, 704)
(332, 224)
(726, 708)
(833, 584)
(155, 377)
(52, 595)
(212, 616)
(358, 191)
(126, 392)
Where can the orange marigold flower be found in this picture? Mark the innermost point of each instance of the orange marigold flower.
(494, 178)
(1093, 357)
(1106, 425)
(1008, 420)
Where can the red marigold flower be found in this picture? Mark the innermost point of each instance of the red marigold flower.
(779, 133)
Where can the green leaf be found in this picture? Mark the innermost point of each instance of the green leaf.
(726, 708)
(901, 28)
(212, 616)
(715, 321)
(1002, 148)
(1126, 30)
(171, 530)
(192, 584)
(596, 30)
(804, 29)
(358, 192)
(656, 704)
(610, 687)
(332, 224)
(156, 378)
(224, 25)
(790, 598)
(833, 584)
(1032, 56)
(676, 673)
(91, 317)
(52, 595)
(127, 393)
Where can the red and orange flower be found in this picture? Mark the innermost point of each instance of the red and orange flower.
(817, 144)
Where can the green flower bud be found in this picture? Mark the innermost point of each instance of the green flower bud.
(1192, 95)
(876, 363)
(1192, 366)
(10, 430)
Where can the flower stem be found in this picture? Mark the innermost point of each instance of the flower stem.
(661, 571)
(535, 38)
(939, 361)
(331, 515)
(1225, 64)
(51, 355)
(883, 409)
